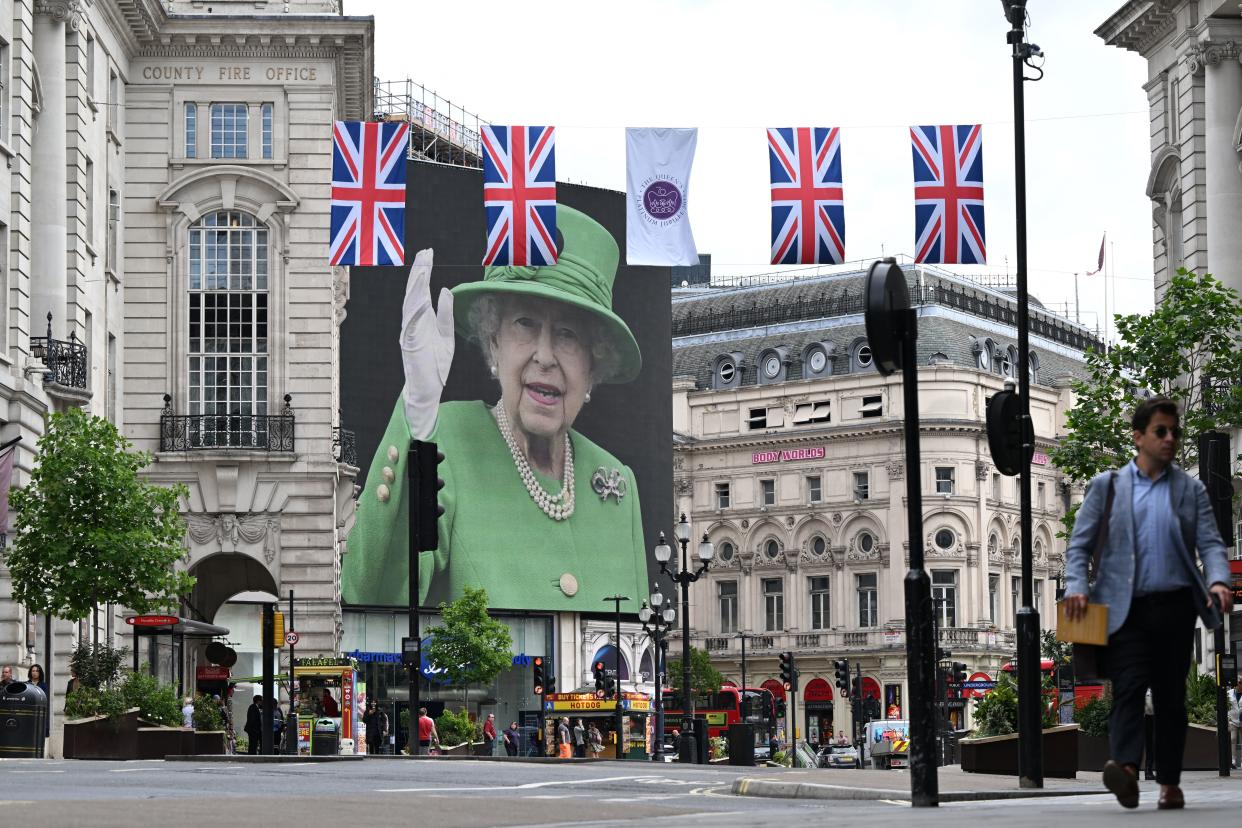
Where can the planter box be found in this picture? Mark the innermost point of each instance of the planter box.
(999, 754)
(209, 742)
(1199, 754)
(158, 742)
(1092, 752)
(100, 737)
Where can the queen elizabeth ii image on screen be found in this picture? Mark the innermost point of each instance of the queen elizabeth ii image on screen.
(535, 512)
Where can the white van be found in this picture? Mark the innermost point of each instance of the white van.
(883, 730)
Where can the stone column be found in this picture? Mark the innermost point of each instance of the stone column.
(48, 168)
(1218, 61)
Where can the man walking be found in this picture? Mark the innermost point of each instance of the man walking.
(1154, 518)
(427, 735)
(489, 735)
(1235, 723)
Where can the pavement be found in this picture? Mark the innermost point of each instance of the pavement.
(240, 791)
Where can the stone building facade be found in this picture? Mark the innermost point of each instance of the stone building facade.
(1194, 90)
(165, 199)
(789, 456)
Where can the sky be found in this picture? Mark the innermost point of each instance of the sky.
(872, 67)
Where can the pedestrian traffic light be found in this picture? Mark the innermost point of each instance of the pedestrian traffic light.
(425, 485)
(538, 685)
(598, 673)
(958, 674)
(842, 668)
(789, 671)
(610, 686)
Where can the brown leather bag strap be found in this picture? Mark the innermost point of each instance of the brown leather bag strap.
(1101, 532)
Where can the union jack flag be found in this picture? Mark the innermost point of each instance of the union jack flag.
(948, 194)
(368, 193)
(808, 210)
(519, 195)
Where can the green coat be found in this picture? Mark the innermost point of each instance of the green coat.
(492, 534)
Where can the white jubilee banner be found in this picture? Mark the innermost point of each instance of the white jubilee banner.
(657, 187)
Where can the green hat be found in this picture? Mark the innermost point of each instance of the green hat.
(582, 277)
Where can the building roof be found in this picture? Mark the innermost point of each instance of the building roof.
(957, 319)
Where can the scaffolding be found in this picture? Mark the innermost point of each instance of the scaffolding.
(440, 130)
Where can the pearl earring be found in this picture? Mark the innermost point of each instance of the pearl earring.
(586, 398)
(492, 368)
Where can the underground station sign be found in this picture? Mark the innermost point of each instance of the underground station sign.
(152, 620)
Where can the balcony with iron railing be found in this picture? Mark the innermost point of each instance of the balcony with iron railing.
(67, 363)
(344, 446)
(244, 432)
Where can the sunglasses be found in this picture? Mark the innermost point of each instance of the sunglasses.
(1162, 431)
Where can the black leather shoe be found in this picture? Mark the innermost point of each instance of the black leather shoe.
(1122, 781)
(1171, 799)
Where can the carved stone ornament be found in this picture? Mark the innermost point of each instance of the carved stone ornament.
(230, 531)
(981, 470)
(682, 485)
(836, 518)
(1210, 53)
(895, 469)
(855, 553)
(72, 12)
(789, 521)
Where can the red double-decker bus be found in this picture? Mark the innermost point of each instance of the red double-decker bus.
(723, 708)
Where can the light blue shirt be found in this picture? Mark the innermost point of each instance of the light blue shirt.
(1158, 567)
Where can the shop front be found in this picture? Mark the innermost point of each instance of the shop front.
(372, 639)
(327, 692)
(636, 736)
(817, 707)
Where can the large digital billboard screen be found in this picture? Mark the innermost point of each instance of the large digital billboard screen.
(554, 416)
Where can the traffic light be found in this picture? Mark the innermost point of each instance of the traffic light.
(842, 668)
(789, 671)
(549, 686)
(425, 486)
(872, 706)
(958, 674)
(856, 687)
(598, 673)
(538, 685)
(780, 708)
(610, 686)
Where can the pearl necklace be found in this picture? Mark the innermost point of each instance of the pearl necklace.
(558, 506)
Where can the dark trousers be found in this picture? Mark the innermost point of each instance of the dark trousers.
(254, 743)
(580, 750)
(1152, 649)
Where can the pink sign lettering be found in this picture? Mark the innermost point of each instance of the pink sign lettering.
(813, 453)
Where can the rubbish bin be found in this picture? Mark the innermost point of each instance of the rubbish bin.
(325, 741)
(702, 740)
(291, 734)
(23, 711)
(742, 744)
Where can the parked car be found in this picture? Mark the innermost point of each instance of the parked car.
(838, 756)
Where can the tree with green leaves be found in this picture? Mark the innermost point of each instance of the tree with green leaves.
(1186, 349)
(704, 677)
(90, 530)
(471, 647)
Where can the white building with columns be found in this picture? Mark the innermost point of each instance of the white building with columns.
(788, 454)
(168, 169)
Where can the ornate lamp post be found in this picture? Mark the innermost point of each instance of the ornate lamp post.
(656, 623)
(685, 577)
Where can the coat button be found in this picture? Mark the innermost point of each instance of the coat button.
(381, 492)
(569, 585)
(388, 474)
(393, 454)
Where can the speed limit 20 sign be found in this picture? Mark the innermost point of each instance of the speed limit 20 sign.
(291, 638)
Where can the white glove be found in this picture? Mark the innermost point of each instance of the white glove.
(426, 347)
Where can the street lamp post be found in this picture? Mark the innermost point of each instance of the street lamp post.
(685, 577)
(656, 623)
(745, 706)
(617, 599)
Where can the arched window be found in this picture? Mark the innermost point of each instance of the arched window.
(608, 655)
(228, 347)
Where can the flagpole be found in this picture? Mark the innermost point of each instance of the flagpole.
(1106, 316)
(1077, 314)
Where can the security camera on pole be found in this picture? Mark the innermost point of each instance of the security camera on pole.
(892, 331)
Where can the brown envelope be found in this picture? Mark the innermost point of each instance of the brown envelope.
(1090, 629)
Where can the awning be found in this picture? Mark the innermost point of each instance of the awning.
(182, 626)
